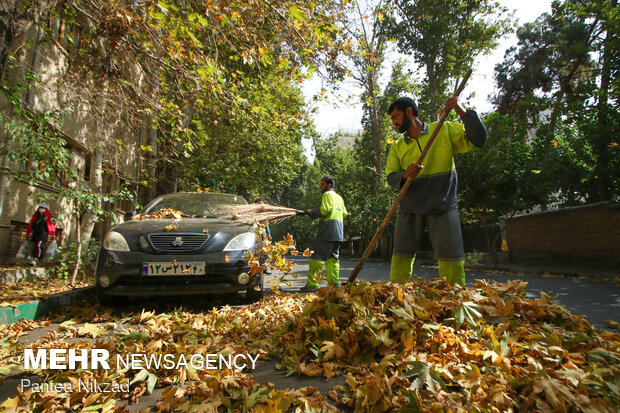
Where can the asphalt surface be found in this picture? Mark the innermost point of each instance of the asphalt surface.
(597, 300)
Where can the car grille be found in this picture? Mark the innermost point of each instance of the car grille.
(177, 242)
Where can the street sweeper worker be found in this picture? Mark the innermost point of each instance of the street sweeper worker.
(430, 201)
(330, 235)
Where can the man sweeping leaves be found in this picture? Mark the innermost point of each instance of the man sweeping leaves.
(329, 237)
(430, 202)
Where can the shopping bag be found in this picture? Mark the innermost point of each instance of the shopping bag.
(23, 251)
(52, 249)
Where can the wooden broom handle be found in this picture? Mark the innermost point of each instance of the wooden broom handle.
(403, 190)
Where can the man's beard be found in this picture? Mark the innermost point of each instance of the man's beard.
(405, 125)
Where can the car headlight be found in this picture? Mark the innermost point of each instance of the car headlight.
(115, 241)
(243, 241)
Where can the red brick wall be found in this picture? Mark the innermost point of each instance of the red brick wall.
(581, 235)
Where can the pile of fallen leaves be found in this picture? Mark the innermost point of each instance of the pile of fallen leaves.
(423, 346)
(431, 347)
(38, 289)
(167, 213)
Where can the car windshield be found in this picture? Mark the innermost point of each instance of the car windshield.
(195, 203)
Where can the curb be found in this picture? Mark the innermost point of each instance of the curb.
(35, 309)
(14, 276)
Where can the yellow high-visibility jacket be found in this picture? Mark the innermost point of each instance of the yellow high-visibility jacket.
(331, 216)
(434, 188)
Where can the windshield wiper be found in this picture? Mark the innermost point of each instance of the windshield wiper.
(211, 210)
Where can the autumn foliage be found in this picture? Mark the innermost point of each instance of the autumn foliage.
(422, 346)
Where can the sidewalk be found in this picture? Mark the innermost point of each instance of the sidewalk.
(568, 271)
(36, 308)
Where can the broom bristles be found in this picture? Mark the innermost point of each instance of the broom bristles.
(248, 214)
(251, 213)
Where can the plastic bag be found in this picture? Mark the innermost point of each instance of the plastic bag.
(23, 251)
(52, 249)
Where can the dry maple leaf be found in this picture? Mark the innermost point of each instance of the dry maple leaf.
(172, 227)
(332, 351)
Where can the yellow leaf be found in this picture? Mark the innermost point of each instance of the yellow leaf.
(155, 345)
(332, 350)
(389, 141)
(11, 403)
(328, 370)
(171, 227)
(90, 330)
(407, 340)
(311, 369)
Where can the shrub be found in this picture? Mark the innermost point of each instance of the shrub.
(66, 261)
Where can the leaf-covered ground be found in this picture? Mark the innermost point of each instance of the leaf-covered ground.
(38, 289)
(423, 346)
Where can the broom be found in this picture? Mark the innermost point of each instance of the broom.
(261, 213)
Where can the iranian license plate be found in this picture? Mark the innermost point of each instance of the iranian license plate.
(178, 268)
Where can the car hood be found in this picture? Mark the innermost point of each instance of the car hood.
(136, 228)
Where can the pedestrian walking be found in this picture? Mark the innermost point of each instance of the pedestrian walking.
(39, 230)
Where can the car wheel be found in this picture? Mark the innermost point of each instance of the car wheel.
(256, 293)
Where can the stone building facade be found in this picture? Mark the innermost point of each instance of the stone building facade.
(96, 136)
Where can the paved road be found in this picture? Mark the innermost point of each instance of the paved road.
(597, 301)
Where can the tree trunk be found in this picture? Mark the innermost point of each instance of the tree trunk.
(89, 218)
(168, 170)
(433, 93)
(602, 122)
(374, 121)
(151, 164)
(490, 243)
(78, 252)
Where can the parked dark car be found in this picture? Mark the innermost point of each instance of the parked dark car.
(198, 253)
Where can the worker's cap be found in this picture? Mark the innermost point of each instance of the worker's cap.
(43, 205)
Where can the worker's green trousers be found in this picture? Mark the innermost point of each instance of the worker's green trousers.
(402, 268)
(332, 267)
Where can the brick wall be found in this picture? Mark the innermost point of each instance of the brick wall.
(586, 235)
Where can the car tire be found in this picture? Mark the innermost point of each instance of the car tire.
(254, 294)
